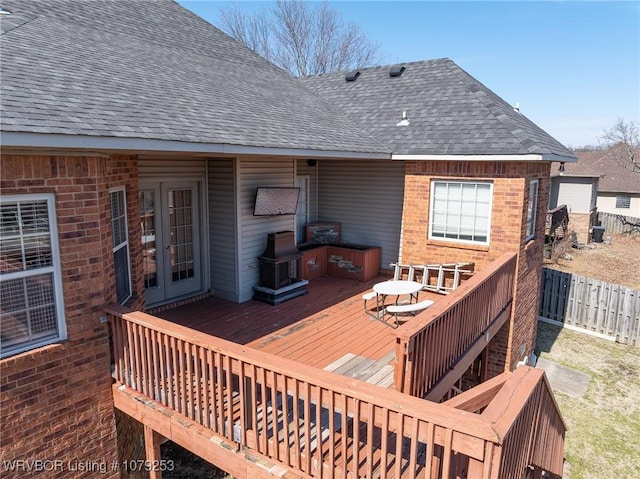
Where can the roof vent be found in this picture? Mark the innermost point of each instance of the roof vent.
(405, 120)
(396, 71)
(352, 76)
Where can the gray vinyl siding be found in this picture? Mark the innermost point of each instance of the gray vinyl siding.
(254, 172)
(222, 229)
(175, 169)
(366, 197)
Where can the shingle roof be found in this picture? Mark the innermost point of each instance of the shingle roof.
(154, 70)
(449, 112)
(609, 165)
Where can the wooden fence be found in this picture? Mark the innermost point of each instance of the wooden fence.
(619, 224)
(591, 305)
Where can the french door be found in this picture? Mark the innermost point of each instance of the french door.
(170, 219)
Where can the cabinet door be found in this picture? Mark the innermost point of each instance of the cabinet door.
(340, 262)
(314, 263)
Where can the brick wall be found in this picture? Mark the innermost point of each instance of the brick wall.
(581, 224)
(131, 445)
(508, 231)
(56, 402)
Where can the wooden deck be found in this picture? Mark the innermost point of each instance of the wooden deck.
(268, 390)
(327, 328)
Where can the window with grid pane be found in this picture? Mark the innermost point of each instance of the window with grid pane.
(623, 201)
(32, 312)
(460, 211)
(120, 236)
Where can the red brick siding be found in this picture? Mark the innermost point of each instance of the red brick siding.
(497, 352)
(581, 224)
(508, 230)
(56, 401)
(131, 445)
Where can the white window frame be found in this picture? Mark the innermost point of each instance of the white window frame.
(53, 269)
(123, 244)
(458, 240)
(625, 200)
(532, 207)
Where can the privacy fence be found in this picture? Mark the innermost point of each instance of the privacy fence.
(591, 305)
(619, 224)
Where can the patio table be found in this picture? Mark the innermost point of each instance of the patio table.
(395, 288)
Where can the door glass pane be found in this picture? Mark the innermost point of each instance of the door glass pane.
(181, 233)
(148, 221)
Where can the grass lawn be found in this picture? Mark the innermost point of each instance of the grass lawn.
(603, 437)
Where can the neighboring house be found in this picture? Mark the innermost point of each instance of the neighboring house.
(134, 136)
(619, 186)
(576, 186)
(601, 181)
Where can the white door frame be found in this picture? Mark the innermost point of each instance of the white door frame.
(166, 248)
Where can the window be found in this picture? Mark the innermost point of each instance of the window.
(120, 244)
(460, 211)
(531, 209)
(623, 201)
(32, 313)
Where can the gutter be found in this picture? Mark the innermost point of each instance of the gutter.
(515, 157)
(58, 141)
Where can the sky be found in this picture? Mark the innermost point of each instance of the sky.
(573, 67)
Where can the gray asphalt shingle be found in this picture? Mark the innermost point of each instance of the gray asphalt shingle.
(153, 70)
(450, 112)
(611, 165)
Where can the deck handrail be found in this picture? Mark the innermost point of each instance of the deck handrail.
(526, 416)
(251, 398)
(428, 345)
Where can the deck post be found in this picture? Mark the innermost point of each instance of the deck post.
(400, 366)
(152, 451)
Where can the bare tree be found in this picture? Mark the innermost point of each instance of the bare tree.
(252, 30)
(623, 139)
(301, 38)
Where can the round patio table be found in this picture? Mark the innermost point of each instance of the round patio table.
(397, 288)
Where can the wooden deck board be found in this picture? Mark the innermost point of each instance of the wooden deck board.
(316, 329)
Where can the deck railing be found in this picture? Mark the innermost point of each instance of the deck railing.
(307, 419)
(520, 407)
(428, 345)
(527, 418)
(557, 221)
